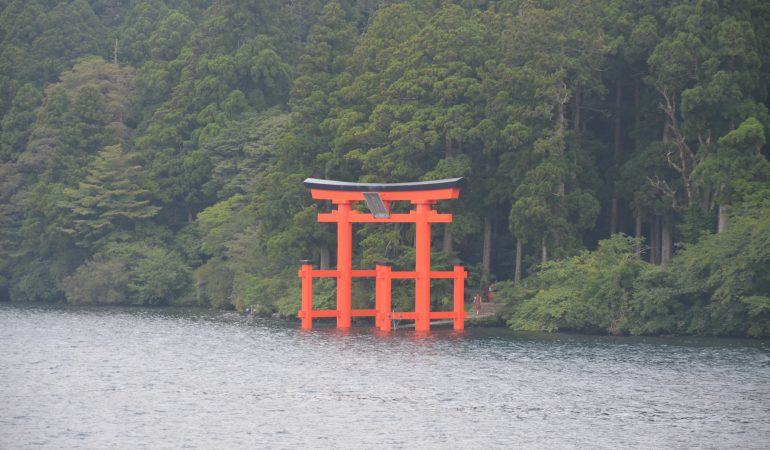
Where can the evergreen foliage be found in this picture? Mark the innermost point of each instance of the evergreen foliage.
(616, 153)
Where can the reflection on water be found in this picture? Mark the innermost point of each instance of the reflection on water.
(142, 378)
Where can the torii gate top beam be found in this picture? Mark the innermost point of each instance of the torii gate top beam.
(423, 191)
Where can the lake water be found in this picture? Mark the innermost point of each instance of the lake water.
(113, 378)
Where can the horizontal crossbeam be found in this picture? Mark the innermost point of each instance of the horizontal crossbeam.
(333, 313)
(402, 275)
(411, 315)
(318, 313)
(396, 315)
(410, 217)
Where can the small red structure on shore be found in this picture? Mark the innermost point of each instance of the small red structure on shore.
(378, 198)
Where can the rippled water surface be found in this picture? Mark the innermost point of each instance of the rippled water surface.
(138, 378)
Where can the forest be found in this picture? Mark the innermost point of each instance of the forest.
(615, 152)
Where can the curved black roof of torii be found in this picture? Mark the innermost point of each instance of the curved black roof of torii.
(331, 185)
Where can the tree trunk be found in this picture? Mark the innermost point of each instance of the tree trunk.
(616, 162)
(666, 241)
(576, 119)
(638, 232)
(325, 257)
(655, 240)
(486, 257)
(561, 129)
(705, 201)
(618, 94)
(724, 218)
(446, 244)
(543, 251)
(637, 114)
(517, 270)
(614, 215)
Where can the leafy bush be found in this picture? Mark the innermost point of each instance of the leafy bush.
(717, 286)
(35, 281)
(98, 281)
(589, 292)
(130, 273)
(724, 278)
(214, 284)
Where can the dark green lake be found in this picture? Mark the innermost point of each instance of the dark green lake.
(115, 378)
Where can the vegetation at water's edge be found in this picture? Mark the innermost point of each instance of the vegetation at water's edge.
(718, 286)
(153, 152)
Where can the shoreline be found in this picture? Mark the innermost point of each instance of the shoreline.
(490, 324)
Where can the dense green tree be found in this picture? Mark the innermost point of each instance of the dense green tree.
(170, 36)
(549, 207)
(315, 91)
(708, 72)
(108, 205)
(70, 30)
(428, 108)
(589, 292)
(98, 282)
(116, 86)
(131, 43)
(242, 153)
(733, 169)
(86, 110)
(21, 22)
(11, 216)
(46, 255)
(16, 125)
(129, 273)
(724, 278)
(212, 89)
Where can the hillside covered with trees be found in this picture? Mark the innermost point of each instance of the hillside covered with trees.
(616, 156)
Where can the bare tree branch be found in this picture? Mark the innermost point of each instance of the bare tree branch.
(684, 154)
(665, 189)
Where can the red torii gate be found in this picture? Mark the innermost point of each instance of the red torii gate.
(378, 198)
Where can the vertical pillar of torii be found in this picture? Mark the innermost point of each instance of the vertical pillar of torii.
(344, 264)
(383, 304)
(422, 267)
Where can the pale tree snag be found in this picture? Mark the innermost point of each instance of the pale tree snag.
(517, 270)
(638, 231)
(325, 258)
(666, 241)
(724, 218)
(665, 189)
(486, 256)
(655, 240)
(681, 158)
(446, 244)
